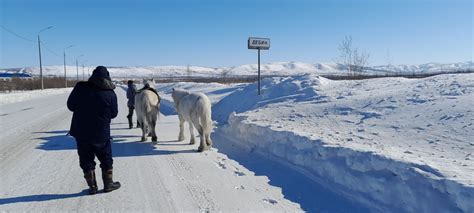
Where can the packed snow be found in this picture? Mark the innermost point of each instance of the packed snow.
(40, 168)
(274, 69)
(18, 96)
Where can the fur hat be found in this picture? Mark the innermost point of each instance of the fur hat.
(101, 72)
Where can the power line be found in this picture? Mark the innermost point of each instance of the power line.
(49, 50)
(15, 34)
(29, 40)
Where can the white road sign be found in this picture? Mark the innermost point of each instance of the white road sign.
(259, 43)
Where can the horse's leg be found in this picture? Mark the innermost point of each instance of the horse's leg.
(154, 139)
(191, 132)
(143, 127)
(202, 144)
(208, 139)
(149, 131)
(181, 128)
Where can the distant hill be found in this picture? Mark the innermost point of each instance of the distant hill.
(275, 68)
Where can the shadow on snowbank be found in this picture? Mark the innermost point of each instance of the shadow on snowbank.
(295, 186)
(40, 198)
(167, 107)
(120, 147)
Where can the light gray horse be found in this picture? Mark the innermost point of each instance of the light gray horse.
(195, 108)
(147, 107)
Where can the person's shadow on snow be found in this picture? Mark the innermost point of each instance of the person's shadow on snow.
(59, 140)
(40, 198)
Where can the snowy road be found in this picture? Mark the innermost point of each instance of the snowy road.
(40, 172)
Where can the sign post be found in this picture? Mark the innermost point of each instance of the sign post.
(259, 44)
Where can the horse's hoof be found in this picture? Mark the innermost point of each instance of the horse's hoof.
(154, 139)
(143, 139)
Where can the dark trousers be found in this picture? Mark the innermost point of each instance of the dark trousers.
(88, 151)
(130, 112)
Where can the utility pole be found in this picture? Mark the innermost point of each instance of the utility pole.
(83, 74)
(39, 50)
(259, 71)
(77, 71)
(65, 75)
(77, 67)
(41, 66)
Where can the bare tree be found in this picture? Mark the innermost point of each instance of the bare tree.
(225, 73)
(353, 60)
(188, 70)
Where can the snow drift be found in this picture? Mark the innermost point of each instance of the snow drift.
(394, 144)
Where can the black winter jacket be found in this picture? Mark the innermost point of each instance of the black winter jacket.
(94, 104)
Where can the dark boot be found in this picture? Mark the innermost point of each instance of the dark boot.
(91, 181)
(109, 184)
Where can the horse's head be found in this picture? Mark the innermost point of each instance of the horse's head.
(149, 83)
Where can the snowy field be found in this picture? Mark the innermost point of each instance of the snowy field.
(306, 144)
(17, 96)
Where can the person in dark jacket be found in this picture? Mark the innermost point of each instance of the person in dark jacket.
(94, 104)
(131, 91)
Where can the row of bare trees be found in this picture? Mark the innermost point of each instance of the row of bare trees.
(33, 83)
(225, 74)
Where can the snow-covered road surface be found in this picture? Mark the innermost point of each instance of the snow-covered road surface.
(40, 171)
(40, 168)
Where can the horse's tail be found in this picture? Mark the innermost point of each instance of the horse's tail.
(204, 106)
(147, 107)
(158, 106)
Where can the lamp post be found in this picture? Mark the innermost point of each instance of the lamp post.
(83, 69)
(39, 50)
(65, 76)
(77, 68)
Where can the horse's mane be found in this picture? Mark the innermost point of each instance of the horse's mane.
(147, 87)
(177, 94)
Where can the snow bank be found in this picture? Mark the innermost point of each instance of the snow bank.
(393, 144)
(17, 96)
(288, 89)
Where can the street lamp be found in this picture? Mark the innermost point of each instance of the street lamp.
(39, 50)
(77, 67)
(83, 69)
(65, 76)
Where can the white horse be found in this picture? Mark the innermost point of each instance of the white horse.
(195, 108)
(147, 107)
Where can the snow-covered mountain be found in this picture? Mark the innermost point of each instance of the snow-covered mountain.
(275, 68)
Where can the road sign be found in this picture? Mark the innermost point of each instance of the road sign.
(258, 43)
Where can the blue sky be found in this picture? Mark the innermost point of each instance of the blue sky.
(214, 32)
